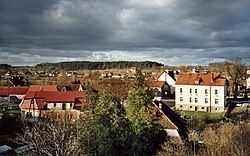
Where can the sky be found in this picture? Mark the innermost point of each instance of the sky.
(173, 32)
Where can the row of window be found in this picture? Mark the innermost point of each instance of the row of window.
(196, 91)
(201, 108)
(216, 101)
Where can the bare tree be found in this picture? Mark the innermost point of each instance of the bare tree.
(234, 69)
(51, 137)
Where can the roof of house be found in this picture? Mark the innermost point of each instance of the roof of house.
(42, 88)
(15, 81)
(43, 97)
(171, 73)
(6, 91)
(155, 84)
(171, 120)
(55, 96)
(203, 79)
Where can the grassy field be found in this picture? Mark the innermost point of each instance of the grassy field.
(214, 117)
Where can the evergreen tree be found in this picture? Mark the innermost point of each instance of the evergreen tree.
(148, 135)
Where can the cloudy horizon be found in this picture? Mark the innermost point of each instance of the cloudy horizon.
(172, 32)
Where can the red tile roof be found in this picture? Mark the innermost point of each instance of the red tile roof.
(155, 84)
(42, 88)
(203, 79)
(43, 97)
(6, 91)
(19, 90)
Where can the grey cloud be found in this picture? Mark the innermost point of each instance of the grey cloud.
(161, 29)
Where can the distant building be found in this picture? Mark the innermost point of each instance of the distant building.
(133, 70)
(200, 92)
(248, 81)
(15, 81)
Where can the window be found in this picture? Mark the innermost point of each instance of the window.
(190, 100)
(190, 106)
(216, 101)
(180, 90)
(216, 91)
(206, 100)
(195, 91)
(54, 104)
(202, 107)
(196, 100)
(181, 98)
(206, 91)
(190, 90)
(181, 106)
(216, 109)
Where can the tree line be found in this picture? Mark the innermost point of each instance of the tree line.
(79, 65)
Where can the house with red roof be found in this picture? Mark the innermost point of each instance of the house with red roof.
(47, 103)
(12, 93)
(33, 88)
(200, 92)
(160, 87)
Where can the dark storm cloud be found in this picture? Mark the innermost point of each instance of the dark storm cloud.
(160, 30)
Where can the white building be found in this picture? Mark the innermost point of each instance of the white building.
(248, 82)
(170, 78)
(200, 92)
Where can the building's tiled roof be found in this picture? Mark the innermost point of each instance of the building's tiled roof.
(42, 88)
(55, 96)
(43, 97)
(19, 90)
(155, 84)
(203, 79)
(6, 91)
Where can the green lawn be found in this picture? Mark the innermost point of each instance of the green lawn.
(214, 117)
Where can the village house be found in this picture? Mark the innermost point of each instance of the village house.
(13, 94)
(200, 92)
(59, 104)
(170, 78)
(15, 81)
(160, 88)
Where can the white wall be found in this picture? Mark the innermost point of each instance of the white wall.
(165, 77)
(58, 106)
(200, 95)
(248, 82)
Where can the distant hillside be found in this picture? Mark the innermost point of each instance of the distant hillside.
(5, 66)
(79, 65)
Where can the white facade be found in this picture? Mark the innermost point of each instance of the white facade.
(170, 81)
(200, 98)
(248, 82)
